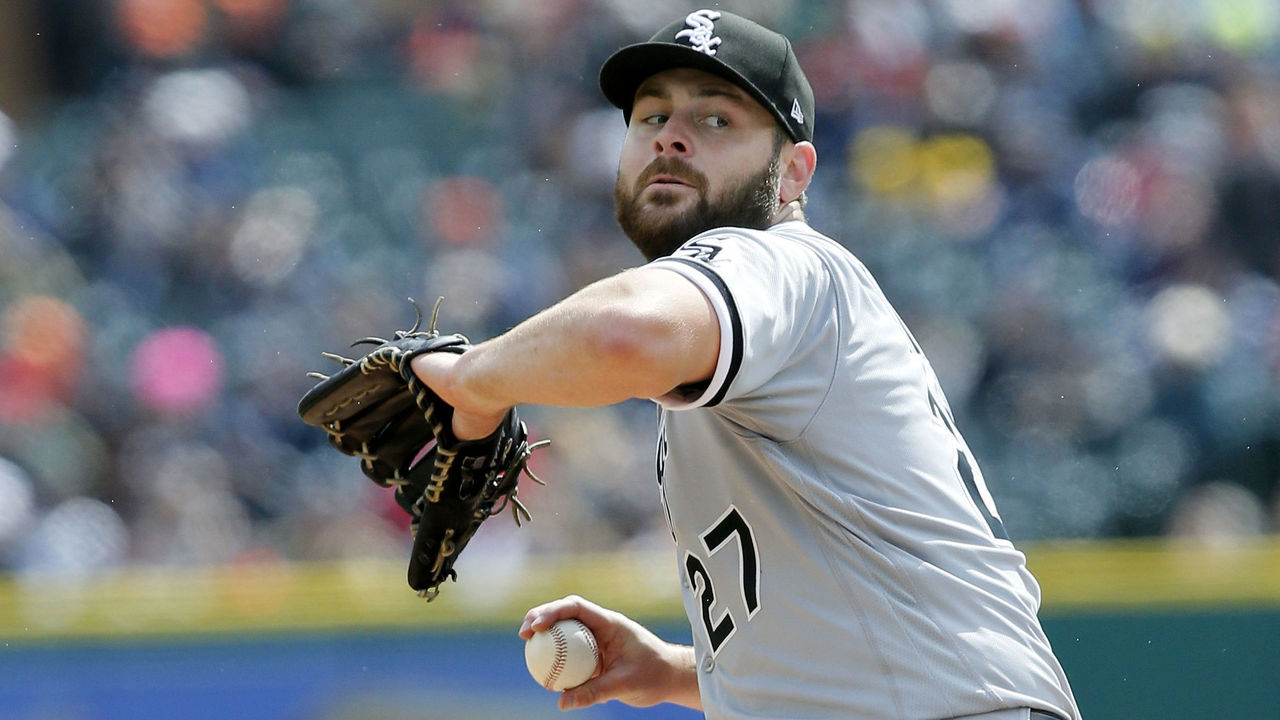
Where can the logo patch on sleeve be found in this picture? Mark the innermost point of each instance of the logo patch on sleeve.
(699, 250)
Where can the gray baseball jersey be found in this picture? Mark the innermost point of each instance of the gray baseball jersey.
(840, 553)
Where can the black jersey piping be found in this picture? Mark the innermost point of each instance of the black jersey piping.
(735, 322)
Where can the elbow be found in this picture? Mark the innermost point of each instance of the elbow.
(643, 347)
(627, 337)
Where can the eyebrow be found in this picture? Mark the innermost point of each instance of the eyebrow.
(708, 89)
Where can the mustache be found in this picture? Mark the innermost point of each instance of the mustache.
(674, 167)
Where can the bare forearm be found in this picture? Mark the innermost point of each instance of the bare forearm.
(638, 334)
(684, 682)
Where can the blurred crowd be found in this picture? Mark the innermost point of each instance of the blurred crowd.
(1074, 204)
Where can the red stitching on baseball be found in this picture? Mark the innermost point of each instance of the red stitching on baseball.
(562, 655)
(591, 640)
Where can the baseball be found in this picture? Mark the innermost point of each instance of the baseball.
(563, 656)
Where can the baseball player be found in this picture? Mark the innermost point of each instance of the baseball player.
(839, 552)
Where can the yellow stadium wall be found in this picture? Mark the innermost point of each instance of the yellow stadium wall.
(1144, 629)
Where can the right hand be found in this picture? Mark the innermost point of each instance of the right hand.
(636, 667)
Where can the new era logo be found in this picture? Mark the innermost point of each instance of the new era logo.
(796, 112)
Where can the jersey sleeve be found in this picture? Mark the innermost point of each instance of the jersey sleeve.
(766, 291)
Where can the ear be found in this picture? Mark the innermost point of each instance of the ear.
(798, 163)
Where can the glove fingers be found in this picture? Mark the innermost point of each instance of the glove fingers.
(348, 394)
(361, 430)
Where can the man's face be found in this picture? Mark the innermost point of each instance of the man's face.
(699, 154)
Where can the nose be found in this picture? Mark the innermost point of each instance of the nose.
(673, 139)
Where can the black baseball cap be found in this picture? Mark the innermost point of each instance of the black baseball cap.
(746, 54)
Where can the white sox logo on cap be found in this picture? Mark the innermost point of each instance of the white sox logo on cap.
(699, 33)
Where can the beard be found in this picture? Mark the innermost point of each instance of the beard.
(751, 203)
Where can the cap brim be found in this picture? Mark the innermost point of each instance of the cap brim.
(622, 73)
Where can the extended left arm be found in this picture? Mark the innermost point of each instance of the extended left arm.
(637, 334)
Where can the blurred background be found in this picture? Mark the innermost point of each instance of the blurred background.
(1074, 204)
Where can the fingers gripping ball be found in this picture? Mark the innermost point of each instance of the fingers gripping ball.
(377, 409)
(563, 656)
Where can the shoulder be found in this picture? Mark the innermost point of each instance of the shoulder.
(766, 288)
(781, 246)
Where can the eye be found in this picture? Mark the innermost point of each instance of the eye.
(654, 119)
(716, 121)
